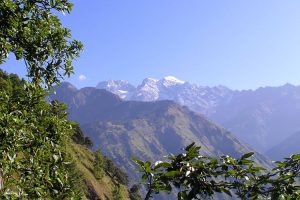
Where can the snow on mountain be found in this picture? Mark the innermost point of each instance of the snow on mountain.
(263, 117)
(147, 91)
(118, 87)
(169, 81)
(198, 98)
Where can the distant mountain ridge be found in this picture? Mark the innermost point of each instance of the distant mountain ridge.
(263, 117)
(148, 130)
(286, 148)
(198, 98)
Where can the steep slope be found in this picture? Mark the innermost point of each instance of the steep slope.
(95, 188)
(286, 148)
(149, 130)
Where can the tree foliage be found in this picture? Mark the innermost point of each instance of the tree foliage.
(115, 172)
(200, 177)
(80, 138)
(32, 32)
(33, 134)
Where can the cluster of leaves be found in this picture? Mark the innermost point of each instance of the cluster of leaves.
(199, 177)
(33, 136)
(33, 33)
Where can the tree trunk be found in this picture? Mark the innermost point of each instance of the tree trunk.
(1, 180)
(148, 195)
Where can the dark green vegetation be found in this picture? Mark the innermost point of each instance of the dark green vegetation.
(199, 177)
(79, 137)
(122, 129)
(38, 158)
(33, 134)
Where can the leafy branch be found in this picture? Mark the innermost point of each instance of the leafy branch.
(200, 177)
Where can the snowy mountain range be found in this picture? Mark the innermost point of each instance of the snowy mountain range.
(262, 118)
(198, 98)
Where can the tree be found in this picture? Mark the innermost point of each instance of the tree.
(79, 136)
(33, 135)
(114, 172)
(199, 177)
(33, 132)
(99, 163)
(32, 32)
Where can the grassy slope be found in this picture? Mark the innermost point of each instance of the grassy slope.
(83, 158)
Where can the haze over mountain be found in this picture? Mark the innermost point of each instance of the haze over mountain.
(148, 130)
(262, 117)
(285, 148)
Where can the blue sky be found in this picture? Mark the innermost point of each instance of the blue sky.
(240, 44)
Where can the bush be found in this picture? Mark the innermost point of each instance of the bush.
(99, 163)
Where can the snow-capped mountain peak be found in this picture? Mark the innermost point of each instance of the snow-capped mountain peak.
(149, 81)
(119, 87)
(171, 81)
(199, 98)
(115, 85)
(147, 91)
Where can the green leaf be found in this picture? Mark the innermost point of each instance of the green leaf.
(137, 161)
(182, 196)
(247, 155)
(162, 164)
(190, 146)
(172, 174)
(226, 191)
(144, 178)
(296, 156)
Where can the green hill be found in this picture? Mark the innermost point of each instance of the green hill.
(93, 188)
